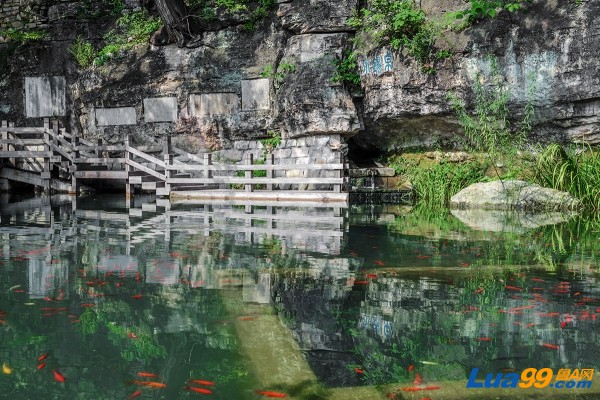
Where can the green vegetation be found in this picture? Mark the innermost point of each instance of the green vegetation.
(83, 52)
(575, 170)
(435, 182)
(270, 143)
(283, 69)
(489, 128)
(346, 71)
(211, 10)
(132, 29)
(480, 9)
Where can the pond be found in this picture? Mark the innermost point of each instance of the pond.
(106, 299)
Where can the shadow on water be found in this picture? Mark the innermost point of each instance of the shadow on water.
(370, 296)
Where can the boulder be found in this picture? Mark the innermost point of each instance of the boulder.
(509, 221)
(513, 195)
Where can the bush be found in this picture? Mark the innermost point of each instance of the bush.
(83, 52)
(575, 170)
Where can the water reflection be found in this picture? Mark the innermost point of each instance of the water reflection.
(110, 288)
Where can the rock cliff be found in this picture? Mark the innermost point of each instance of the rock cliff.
(247, 84)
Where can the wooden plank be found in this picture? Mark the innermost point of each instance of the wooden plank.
(24, 154)
(23, 142)
(296, 197)
(103, 148)
(31, 178)
(24, 131)
(103, 161)
(147, 157)
(256, 167)
(145, 169)
(245, 181)
(100, 174)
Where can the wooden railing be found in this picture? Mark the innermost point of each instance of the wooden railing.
(41, 149)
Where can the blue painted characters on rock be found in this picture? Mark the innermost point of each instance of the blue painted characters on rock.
(378, 64)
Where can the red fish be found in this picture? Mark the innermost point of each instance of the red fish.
(379, 262)
(464, 264)
(136, 296)
(432, 387)
(135, 394)
(198, 390)
(418, 379)
(42, 357)
(422, 256)
(484, 339)
(537, 280)
(156, 385)
(58, 377)
(359, 371)
(480, 290)
(410, 389)
(372, 276)
(202, 382)
(550, 346)
(132, 335)
(147, 375)
(88, 305)
(268, 393)
(41, 366)
(410, 368)
(513, 288)
(361, 282)
(563, 324)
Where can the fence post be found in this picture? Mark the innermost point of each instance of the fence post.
(339, 173)
(248, 175)
(168, 158)
(270, 160)
(75, 156)
(47, 149)
(208, 162)
(129, 190)
(98, 151)
(4, 147)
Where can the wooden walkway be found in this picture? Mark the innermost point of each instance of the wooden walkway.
(52, 159)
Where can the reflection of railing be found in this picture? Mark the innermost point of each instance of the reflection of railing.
(34, 153)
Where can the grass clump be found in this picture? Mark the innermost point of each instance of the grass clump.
(83, 51)
(575, 170)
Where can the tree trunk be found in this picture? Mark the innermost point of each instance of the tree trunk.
(178, 22)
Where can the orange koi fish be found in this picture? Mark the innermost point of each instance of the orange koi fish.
(135, 394)
(484, 339)
(147, 375)
(372, 276)
(41, 366)
(423, 256)
(361, 282)
(537, 280)
(432, 387)
(480, 290)
(410, 368)
(42, 357)
(88, 305)
(550, 346)
(132, 336)
(359, 371)
(202, 382)
(513, 288)
(156, 385)
(136, 296)
(379, 262)
(418, 379)
(58, 377)
(268, 393)
(198, 390)
(410, 389)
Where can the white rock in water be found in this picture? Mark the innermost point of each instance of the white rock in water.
(513, 195)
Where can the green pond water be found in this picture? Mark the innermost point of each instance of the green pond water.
(359, 296)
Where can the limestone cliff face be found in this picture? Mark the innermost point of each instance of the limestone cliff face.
(222, 95)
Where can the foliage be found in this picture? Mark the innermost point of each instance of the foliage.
(283, 69)
(435, 183)
(83, 51)
(480, 9)
(23, 36)
(489, 128)
(270, 143)
(346, 71)
(132, 29)
(575, 170)
(210, 10)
